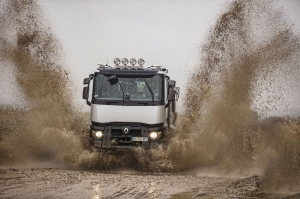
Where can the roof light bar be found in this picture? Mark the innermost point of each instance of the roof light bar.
(125, 61)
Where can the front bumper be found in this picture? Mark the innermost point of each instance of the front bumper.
(123, 136)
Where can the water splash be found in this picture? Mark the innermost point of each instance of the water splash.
(250, 56)
(49, 118)
(248, 63)
(245, 53)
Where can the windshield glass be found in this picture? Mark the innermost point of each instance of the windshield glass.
(133, 88)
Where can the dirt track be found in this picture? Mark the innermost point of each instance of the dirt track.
(57, 183)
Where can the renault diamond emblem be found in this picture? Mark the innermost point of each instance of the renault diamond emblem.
(126, 130)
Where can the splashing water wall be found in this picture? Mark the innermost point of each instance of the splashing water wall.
(32, 53)
(248, 56)
(46, 125)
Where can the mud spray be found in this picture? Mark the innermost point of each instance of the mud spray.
(48, 125)
(248, 56)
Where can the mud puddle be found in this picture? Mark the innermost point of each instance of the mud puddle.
(59, 183)
(188, 194)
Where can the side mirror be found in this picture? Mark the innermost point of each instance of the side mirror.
(172, 92)
(172, 83)
(113, 80)
(85, 93)
(171, 96)
(86, 81)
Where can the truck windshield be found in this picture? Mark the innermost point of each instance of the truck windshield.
(133, 88)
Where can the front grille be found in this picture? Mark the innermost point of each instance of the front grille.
(135, 133)
(115, 138)
(116, 132)
(122, 147)
(119, 133)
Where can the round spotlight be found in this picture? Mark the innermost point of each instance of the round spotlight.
(98, 134)
(132, 61)
(153, 135)
(141, 62)
(117, 61)
(125, 61)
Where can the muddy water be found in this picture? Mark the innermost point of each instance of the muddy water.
(248, 62)
(47, 125)
(246, 52)
(57, 183)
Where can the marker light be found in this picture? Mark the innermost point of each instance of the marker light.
(117, 61)
(132, 61)
(125, 61)
(141, 62)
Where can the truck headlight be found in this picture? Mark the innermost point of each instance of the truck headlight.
(154, 135)
(97, 134)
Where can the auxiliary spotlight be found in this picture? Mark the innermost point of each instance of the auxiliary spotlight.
(132, 61)
(117, 61)
(141, 61)
(125, 61)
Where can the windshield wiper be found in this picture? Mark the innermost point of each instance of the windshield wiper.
(149, 90)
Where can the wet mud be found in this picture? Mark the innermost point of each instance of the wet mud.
(249, 69)
(57, 183)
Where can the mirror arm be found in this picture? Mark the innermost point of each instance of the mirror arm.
(88, 102)
(167, 105)
(91, 76)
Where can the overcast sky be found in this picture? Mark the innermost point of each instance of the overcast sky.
(165, 32)
(162, 32)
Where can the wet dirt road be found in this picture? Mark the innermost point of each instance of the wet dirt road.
(58, 183)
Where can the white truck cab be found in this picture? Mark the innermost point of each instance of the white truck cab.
(130, 106)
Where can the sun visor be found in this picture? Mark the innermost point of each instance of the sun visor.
(119, 72)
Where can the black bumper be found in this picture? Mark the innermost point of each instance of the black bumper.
(116, 137)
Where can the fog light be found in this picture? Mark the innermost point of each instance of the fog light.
(117, 61)
(153, 135)
(97, 134)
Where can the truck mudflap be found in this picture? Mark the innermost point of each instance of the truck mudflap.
(124, 136)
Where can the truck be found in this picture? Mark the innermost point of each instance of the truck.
(130, 106)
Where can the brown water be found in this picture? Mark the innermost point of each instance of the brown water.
(48, 126)
(249, 60)
(250, 56)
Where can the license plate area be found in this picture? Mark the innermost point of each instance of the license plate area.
(139, 139)
(97, 143)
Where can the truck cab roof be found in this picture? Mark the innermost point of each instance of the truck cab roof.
(132, 71)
